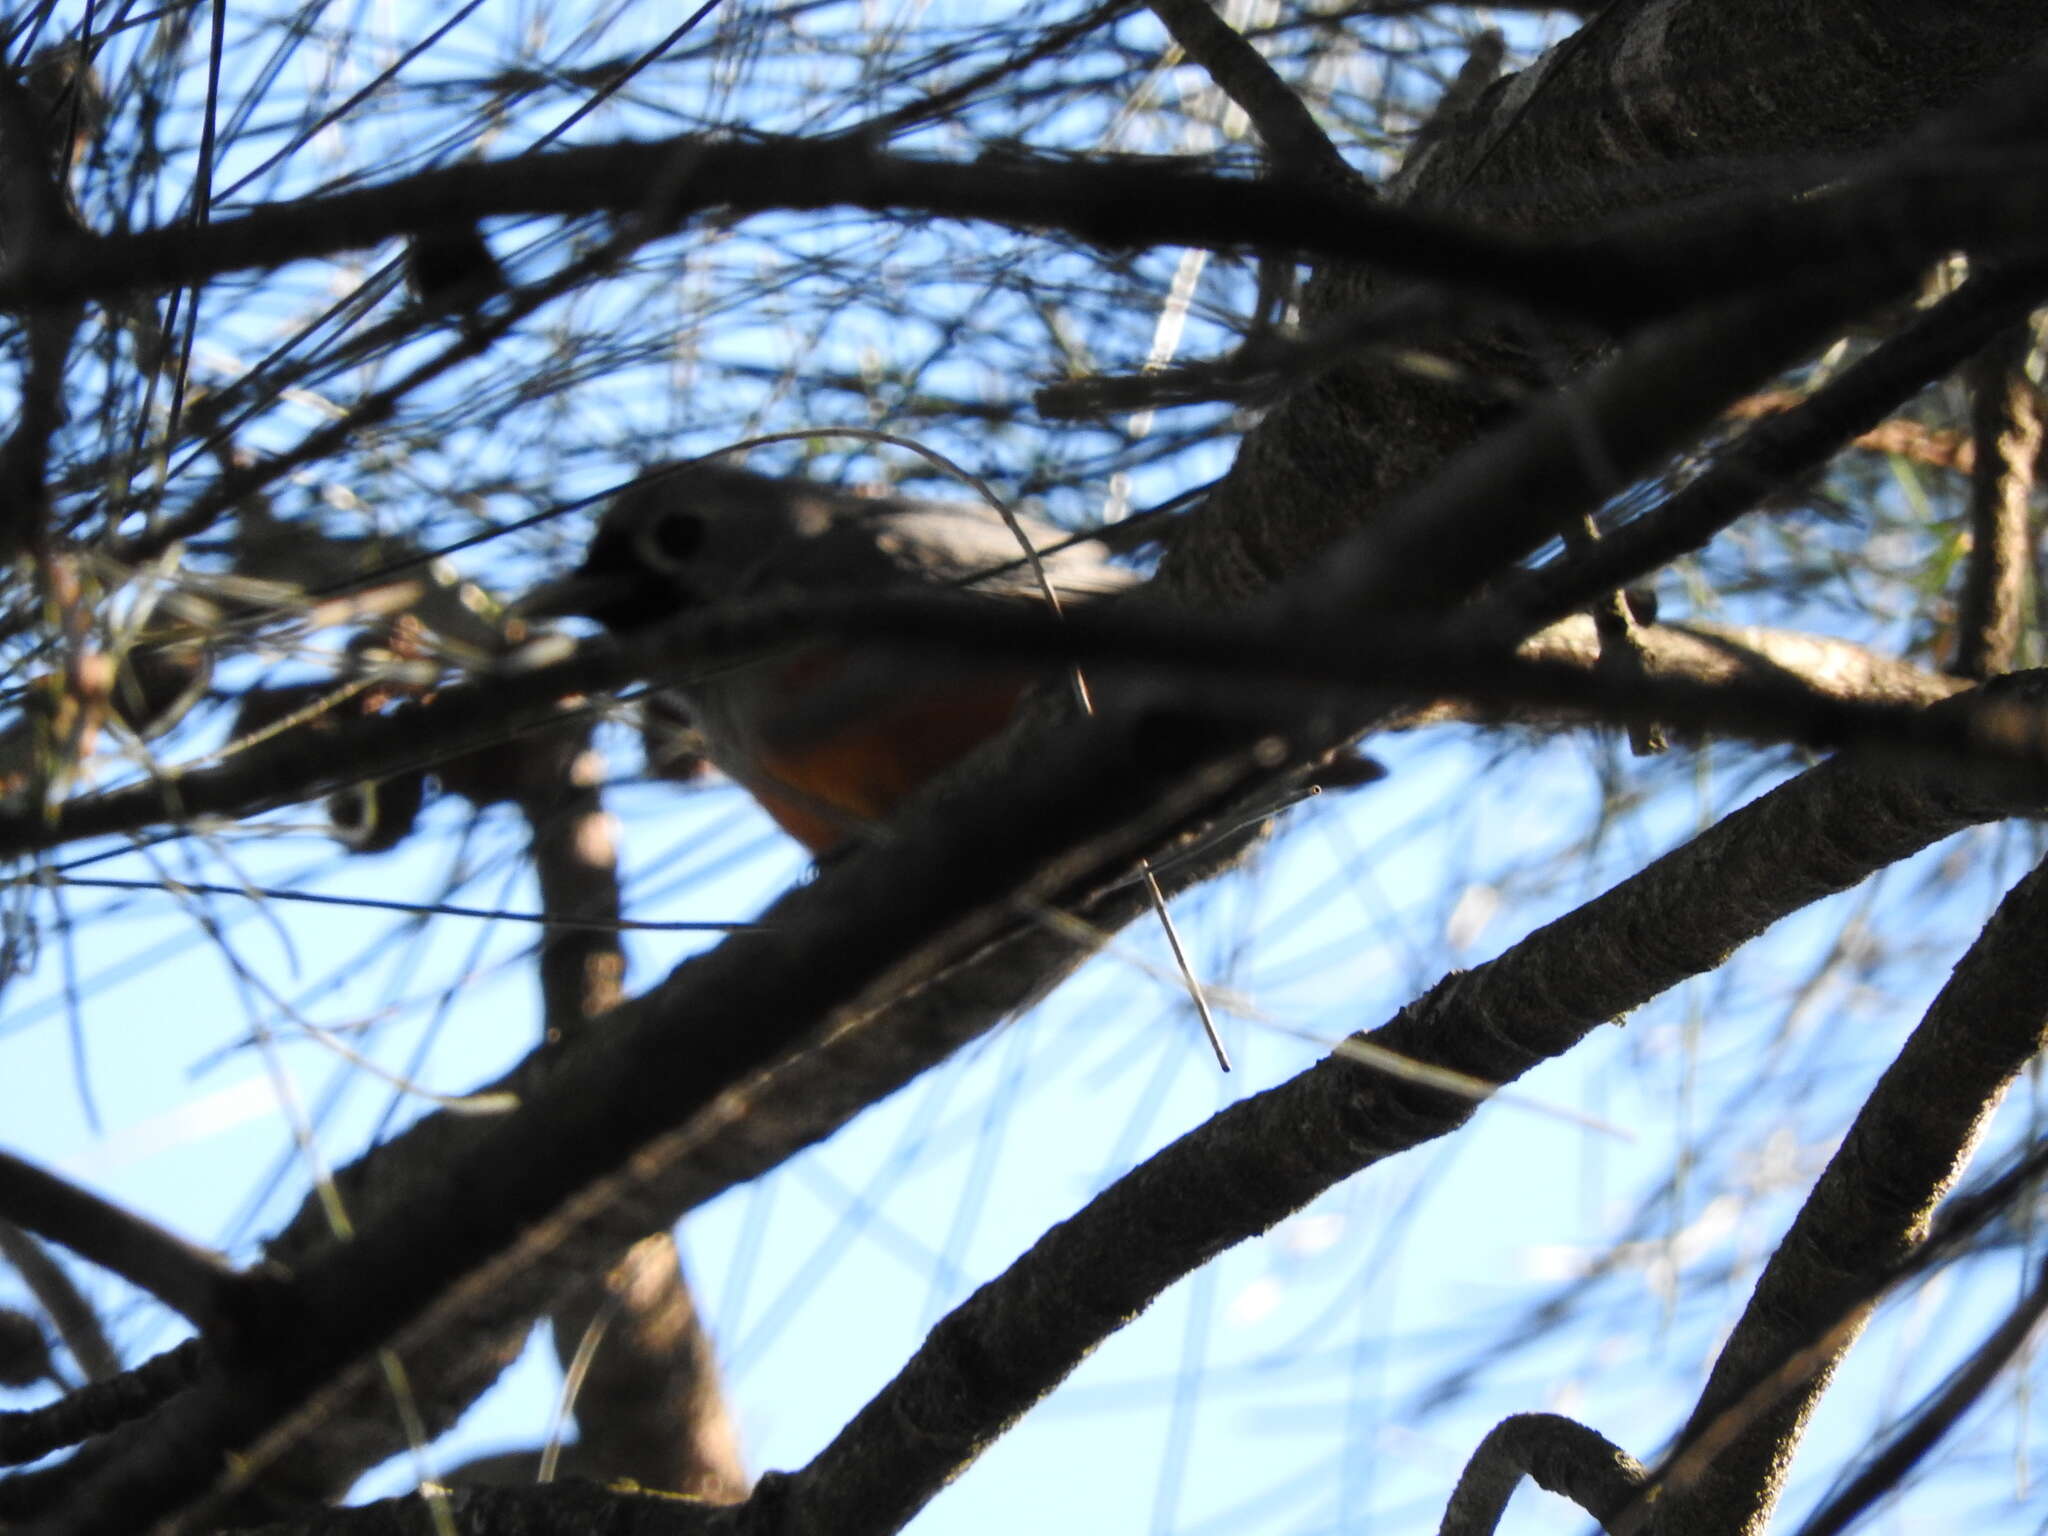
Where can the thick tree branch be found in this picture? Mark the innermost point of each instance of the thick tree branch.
(1261, 1159)
(819, 1090)
(558, 1509)
(1960, 60)
(652, 1407)
(1912, 208)
(1900, 436)
(1723, 653)
(1764, 685)
(100, 1405)
(1502, 498)
(1684, 112)
(1775, 450)
(879, 922)
(1869, 1210)
(649, 1405)
(195, 1282)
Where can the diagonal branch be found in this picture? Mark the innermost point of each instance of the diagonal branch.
(1779, 448)
(1936, 1418)
(1293, 140)
(196, 1282)
(62, 1302)
(1263, 1158)
(1919, 1126)
(877, 924)
(1850, 819)
(1631, 119)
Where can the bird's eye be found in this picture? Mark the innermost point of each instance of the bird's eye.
(676, 536)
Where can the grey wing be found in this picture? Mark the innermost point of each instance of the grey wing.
(961, 544)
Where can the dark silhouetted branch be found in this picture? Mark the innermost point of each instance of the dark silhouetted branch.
(1562, 1456)
(195, 1282)
(1919, 1125)
(1293, 139)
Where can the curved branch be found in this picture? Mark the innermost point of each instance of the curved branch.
(1562, 1455)
(1919, 1126)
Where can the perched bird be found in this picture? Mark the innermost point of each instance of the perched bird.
(829, 736)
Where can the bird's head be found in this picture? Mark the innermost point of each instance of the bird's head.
(679, 538)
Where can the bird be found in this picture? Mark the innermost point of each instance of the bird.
(830, 737)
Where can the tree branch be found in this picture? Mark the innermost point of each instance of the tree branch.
(1294, 142)
(195, 1282)
(876, 924)
(2006, 433)
(62, 1302)
(1563, 1457)
(1266, 1156)
(1777, 449)
(1686, 115)
(1912, 208)
(1919, 1126)
(1936, 1418)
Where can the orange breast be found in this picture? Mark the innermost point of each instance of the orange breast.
(821, 790)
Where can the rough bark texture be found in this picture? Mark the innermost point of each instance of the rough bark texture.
(1871, 1207)
(1651, 105)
